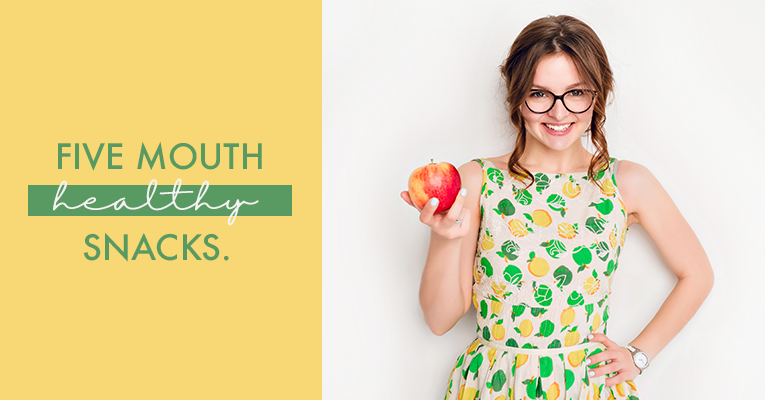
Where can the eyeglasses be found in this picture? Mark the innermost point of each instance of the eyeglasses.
(576, 101)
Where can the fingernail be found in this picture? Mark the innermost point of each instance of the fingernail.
(434, 201)
(587, 362)
(590, 337)
(463, 192)
(591, 374)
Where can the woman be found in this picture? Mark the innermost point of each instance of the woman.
(534, 246)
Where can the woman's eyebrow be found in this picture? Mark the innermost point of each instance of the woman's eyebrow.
(535, 86)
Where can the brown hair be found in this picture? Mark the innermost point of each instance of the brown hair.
(546, 36)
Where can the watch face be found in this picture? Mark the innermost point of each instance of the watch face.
(641, 360)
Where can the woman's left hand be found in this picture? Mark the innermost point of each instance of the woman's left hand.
(620, 361)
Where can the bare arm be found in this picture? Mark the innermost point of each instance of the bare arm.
(658, 215)
(446, 285)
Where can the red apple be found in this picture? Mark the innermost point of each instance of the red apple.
(440, 180)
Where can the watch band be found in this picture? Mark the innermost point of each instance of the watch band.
(635, 353)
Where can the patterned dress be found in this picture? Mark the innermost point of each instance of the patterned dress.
(543, 269)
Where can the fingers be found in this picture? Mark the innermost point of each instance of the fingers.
(456, 209)
(601, 338)
(617, 361)
(407, 198)
(426, 215)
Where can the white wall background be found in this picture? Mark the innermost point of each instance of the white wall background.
(407, 81)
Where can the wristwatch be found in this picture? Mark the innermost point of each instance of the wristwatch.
(640, 358)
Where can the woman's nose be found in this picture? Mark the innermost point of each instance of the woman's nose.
(558, 111)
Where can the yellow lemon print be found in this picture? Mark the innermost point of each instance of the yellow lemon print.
(612, 238)
(571, 339)
(526, 327)
(553, 392)
(501, 397)
(596, 322)
(487, 243)
(632, 385)
(624, 235)
(566, 230)
(611, 396)
(571, 189)
(539, 267)
(567, 316)
(476, 275)
(591, 285)
(498, 331)
(575, 358)
(541, 218)
(467, 393)
(496, 307)
(518, 228)
(608, 188)
(475, 302)
(520, 359)
(492, 354)
(498, 288)
(473, 346)
(620, 389)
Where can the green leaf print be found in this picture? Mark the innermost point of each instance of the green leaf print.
(596, 225)
(486, 333)
(522, 196)
(476, 363)
(537, 311)
(543, 295)
(489, 193)
(542, 182)
(611, 267)
(563, 276)
(582, 255)
(556, 202)
(554, 247)
(496, 176)
(511, 343)
(605, 206)
(517, 311)
(497, 381)
(575, 299)
(589, 308)
(513, 275)
(570, 378)
(479, 161)
(631, 397)
(460, 361)
(546, 328)
(484, 309)
(602, 250)
(509, 250)
(488, 269)
(505, 208)
(529, 346)
(605, 314)
(545, 366)
(555, 344)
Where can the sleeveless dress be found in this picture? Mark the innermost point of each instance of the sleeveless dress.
(545, 260)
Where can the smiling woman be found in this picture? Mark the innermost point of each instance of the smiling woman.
(541, 232)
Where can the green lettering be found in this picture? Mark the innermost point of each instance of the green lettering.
(152, 160)
(187, 246)
(92, 246)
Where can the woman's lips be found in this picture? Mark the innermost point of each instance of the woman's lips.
(558, 132)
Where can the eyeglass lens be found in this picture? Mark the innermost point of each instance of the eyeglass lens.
(574, 100)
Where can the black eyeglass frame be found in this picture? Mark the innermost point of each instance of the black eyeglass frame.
(556, 97)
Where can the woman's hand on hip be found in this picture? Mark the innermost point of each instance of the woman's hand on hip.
(619, 360)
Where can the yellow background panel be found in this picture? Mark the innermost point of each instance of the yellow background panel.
(160, 72)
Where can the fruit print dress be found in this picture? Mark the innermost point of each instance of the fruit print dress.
(543, 269)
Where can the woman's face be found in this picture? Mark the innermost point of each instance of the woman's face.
(556, 73)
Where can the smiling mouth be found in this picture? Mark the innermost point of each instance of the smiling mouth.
(558, 128)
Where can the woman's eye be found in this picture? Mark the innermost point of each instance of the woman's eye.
(576, 93)
(538, 95)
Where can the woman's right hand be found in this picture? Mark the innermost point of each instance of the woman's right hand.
(445, 223)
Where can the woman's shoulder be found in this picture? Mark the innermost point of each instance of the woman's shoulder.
(636, 183)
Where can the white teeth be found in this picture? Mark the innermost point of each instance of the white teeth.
(558, 128)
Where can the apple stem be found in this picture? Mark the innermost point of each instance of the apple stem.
(431, 161)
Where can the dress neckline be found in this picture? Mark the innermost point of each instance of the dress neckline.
(538, 172)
